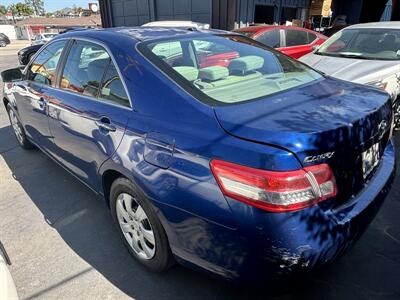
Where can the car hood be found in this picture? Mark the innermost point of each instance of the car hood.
(351, 69)
(327, 115)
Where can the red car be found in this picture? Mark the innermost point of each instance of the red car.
(293, 41)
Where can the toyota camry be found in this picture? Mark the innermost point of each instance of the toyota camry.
(249, 166)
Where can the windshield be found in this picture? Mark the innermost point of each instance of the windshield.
(377, 44)
(226, 69)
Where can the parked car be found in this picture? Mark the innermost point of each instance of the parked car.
(4, 40)
(261, 168)
(176, 23)
(7, 290)
(25, 54)
(291, 40)
(43, 38)
(363, 53)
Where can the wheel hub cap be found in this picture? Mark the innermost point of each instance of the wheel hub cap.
(16, 126)
(135, 226)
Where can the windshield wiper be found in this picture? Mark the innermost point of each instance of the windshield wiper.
(347, 55)
(352, 55)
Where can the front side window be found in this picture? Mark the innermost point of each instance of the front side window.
(363, 43)
(270, 38)
(84, 68)
(43, 68)
(237, 69)
(296, 37)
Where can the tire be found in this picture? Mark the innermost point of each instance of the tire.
(18, 129)
(3, 44)
(137, 228)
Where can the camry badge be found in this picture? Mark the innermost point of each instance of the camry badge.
(315, 158)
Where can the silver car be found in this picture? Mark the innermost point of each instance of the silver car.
(7, 286)
(363, 53)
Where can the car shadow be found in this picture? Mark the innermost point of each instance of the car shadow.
(85, 224)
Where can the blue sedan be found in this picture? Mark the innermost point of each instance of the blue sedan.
(209, 148)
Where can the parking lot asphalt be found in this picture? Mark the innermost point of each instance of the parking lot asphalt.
(63, 244)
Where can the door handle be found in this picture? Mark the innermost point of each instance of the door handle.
(105, 124)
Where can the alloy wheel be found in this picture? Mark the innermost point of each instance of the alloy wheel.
(135, 226)
(16, 126)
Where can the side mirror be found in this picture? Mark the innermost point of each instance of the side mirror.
(315, 47)
(11, 75)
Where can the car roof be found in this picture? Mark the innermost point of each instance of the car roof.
(145, 33)
(378, 25)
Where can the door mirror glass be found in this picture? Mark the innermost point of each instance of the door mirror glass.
(11, 75)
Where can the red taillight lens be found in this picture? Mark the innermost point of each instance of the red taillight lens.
(275, 191)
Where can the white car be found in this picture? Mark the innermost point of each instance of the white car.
(363, 53)
(188, 24)
(43, 38)
(7, 286)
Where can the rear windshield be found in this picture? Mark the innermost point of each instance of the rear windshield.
(226, 69)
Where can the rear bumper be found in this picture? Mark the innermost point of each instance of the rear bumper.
(313, 237)
(268, 245)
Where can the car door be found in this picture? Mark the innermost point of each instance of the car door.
(32, 93)
(296, 43)
(89, 111)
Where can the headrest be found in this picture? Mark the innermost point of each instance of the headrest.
(189, 73)
(213, 73)
(246, 64)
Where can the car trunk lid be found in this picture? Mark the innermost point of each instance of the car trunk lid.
(327, 121)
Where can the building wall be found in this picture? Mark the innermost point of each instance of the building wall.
(9, 31)
(352, 9)
(224, 14)
(138, 12)
(245, 9)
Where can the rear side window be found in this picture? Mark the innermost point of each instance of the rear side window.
(89, 70)
(43, 68)
(270, 38)
(296, 37)
(84, 68)
(112, 88)
(311, 37)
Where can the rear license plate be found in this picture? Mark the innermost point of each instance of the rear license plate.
(370, 159)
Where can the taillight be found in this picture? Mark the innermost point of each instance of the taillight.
(275, 191)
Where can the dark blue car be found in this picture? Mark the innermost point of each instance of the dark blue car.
(209, 148)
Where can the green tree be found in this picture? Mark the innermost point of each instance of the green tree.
(20, 9)
(3, 10)
(36, 5)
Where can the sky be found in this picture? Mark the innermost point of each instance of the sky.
(52, 5)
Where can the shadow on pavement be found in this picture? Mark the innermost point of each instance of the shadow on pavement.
(370, 270)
